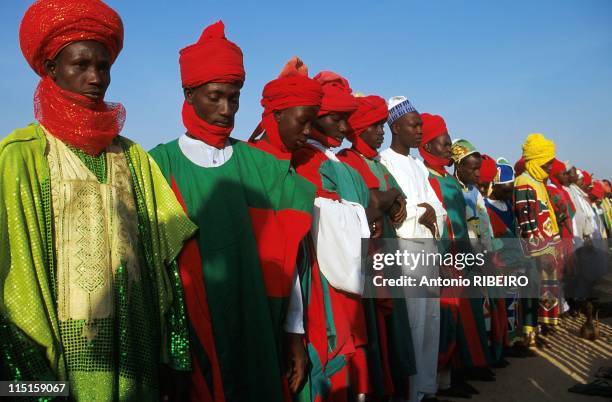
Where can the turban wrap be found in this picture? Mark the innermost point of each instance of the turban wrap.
(537, 151)
(433, 126)
(337, 97)
(47, 27)
(598, 191)
(519, 167)
(488, 169)
(586, 178)
(212, 59)
(292, 88)
(557, 167)
(370, 110)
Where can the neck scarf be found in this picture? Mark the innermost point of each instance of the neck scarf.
(76, 120)
(209, 133)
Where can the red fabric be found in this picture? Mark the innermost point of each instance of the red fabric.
(212, 59)
(587, 179)
(352, 158)
(49, 25)
(488, 169)
(278, 235)
(598, 190)
(433, 126)
(359, 373)
(519, 167)
(307, 161)
(215, 136)
(326, 140)
(77, 120)
(192, 279)
(557, 167)
(292, 88)
(337, 95)
(370, 110)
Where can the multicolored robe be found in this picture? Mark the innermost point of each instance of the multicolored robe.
(538, 229)
(463, 335)
(337, 350)
(564, 212)
(252, 211)
(90, 289)
(390, 350)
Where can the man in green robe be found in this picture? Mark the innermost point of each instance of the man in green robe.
(89, 230)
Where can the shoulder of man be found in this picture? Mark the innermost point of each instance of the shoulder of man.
(29, 138)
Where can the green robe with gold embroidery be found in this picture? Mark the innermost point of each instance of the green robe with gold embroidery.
(115, 356)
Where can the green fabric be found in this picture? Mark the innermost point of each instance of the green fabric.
(96, 164)
(97, 370)
(342, 179)
(246, 322)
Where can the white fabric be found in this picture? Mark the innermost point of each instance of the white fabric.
(207, 156)
(584, 219)
(411, 175)
(327, 151)
(202, 154)
(423, 313)
(337, 230)
(294, 322)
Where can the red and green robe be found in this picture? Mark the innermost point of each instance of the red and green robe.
(537, 227)
(390, 353)
(238, 272)
(564, 212)
(331, 311)
(463, 335)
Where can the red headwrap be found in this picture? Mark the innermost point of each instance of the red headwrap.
(433, 126)
(370, 110)
(337, 97)
(292, 88)
(598, 191)
(47, 27)
(557, 167)
(519, 167)
(488, 169)
(212, 59)
(586, 178)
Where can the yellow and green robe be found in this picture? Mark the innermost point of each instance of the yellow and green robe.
(89, 286)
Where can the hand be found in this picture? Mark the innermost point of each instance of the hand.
(376, 229)
(398, 213)
(296, 361)
(428, 219)
(173, 384)
(547, 263)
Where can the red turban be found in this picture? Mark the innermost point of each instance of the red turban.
(598, 191)
(337, 95)
(212, 59)
(433, 126)
(49, 25)
(488, 169)
(519, 167)
(370, 110)
(557, 167)
(586, 178)
(292, 88)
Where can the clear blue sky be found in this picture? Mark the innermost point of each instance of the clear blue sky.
(496, 70)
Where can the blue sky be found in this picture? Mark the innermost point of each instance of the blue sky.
(496, 70)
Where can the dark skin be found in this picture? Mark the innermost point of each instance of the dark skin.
(468, 169)
(563, 178)
(502, 192)
(440, 146)
(391, 201)
(572, 175)
(295, 125)
(407, 133)
(214, 102)
(483, 188)
(82, 67)
(334, 125)
(547, 167)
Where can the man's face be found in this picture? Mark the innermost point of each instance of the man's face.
(572, 175)
(503, 192)
(409, 129)
(334, 125)
(215, 102)
(440, 146)
(547, 167)
(295, 124)
(483, 188)
(468, 169)
(374, 135)
(563, 178)
(82, 67)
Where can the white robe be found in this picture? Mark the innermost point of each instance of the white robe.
(584, 220)
(424, 314)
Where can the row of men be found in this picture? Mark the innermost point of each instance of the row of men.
(213, 269)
